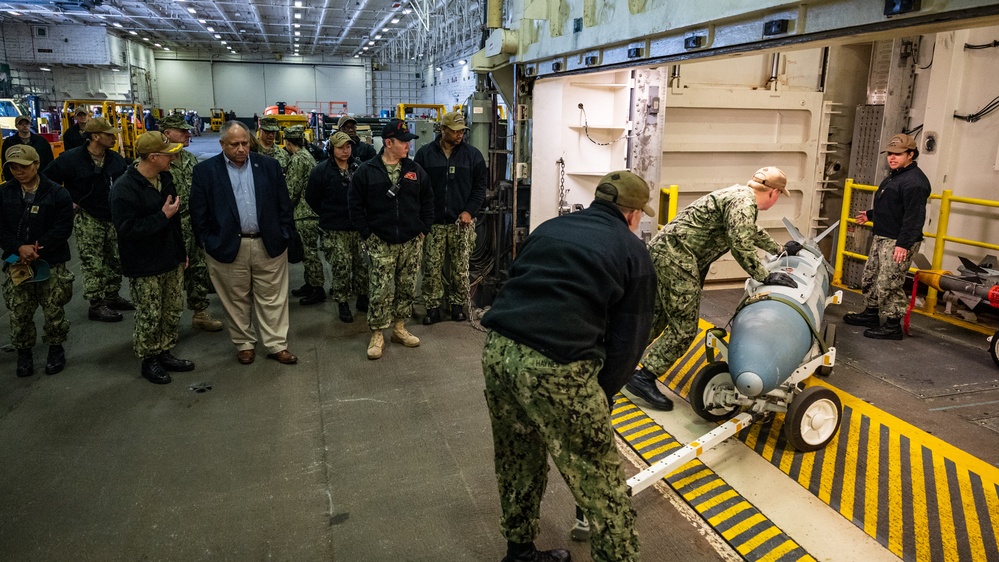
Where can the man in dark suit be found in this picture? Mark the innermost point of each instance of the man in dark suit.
(241, 214)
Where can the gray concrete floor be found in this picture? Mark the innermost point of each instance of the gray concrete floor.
(336, 458)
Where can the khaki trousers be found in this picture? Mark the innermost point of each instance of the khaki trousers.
(255, 282)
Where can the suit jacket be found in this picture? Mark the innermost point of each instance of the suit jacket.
(215, 217)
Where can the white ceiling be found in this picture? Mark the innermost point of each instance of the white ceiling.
(263, 28)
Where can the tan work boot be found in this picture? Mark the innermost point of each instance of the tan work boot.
(401, 335)
(375, 347)
(205, 321)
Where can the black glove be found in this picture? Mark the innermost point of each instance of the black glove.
(780, 278)
(792, 248)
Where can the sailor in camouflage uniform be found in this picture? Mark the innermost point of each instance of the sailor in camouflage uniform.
(306, 220)
(88, 172)
(327, 195)
(145, 210)
(36, 220)
(719, 222)
(196, 280)
(565, 333)
(391, 205)
(898, 214)
(266, 139)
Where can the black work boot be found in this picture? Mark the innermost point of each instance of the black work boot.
(301, 291)
(56, 360)
(890, 330)
(317, 296)
(457, 314)
(433, 316)
(171, 363)
(345, 315)
(25, 363)
(362, 303)
(116, 302)
(643, 385)
(868, 318)
(154, 372)
(526, 552)
(100, 312)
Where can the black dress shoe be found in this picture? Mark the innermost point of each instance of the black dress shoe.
(56, 361)
(153, 372)
(362, 303)
(317, 296)
(25, 363)
(345, 315)
(101, 313)
(171, 363)
(457, 314)
(301, 291)
(116, 302)
(643, 385)
(433, 316)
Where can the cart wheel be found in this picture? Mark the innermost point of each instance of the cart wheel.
(992, 348)
(830, 338)
(711, 379)
(812, 419)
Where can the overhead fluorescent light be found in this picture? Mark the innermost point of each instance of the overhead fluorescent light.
(298, 34)
(115, 70)
(438, 69)
(298, 3)
(192, 10)
(217, 36)
(462, 62)
(364, 48)
(379, 36)
(202, 22)
(357, 56)
(132, 33)
(157, 45)
(371, 42)
(116, 24)
(44, 69)
(298, 25)
(242, 31)
(407, 11)
(145, 39)
(395, 20)
(298, 15)
(385, 29)
(210, 28)
(224, 43)
(14, 13)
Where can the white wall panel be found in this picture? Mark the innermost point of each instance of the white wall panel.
(239, 87)
(343, 83)
(289, 84)
(186, 84)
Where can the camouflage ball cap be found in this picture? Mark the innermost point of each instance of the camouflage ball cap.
(176, 121)
(345, 119)
(454, 121)
(21, 154)
(900, 143)
(770, 177)
(269, 124)
(22, 118)
(156, 142)
(626, 190)
(295, 132)
(100, 125)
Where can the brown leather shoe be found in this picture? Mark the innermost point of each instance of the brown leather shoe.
(284, 356)
(246, 356)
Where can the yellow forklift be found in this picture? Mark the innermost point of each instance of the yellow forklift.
(129, 120)
(217, 119)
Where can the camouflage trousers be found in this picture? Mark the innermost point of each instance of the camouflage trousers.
(308, 229)
(392, 280)
(196, 280)
(539, 407)
(52, 296)
(677, 309)
(883, 278)
(159, 302)
(97, 245)
(445, 264)
(348, 264)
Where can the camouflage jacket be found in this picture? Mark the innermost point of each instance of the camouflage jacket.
(278, 153)
(182, 169)
(721, 221)
(297, 176)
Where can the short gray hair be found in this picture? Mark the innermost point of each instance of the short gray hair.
(228, 126)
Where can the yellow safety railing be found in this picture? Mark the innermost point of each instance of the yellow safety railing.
(939, 237)
(668, 203)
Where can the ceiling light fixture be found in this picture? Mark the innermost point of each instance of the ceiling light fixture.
(202, 22)
(298, 15)
(44, 69)
(132, 33)
(379, 36)
(192, 10)
(145, 39)
(116, 24)
(166, 48)
(407, 11)
(14, 13)
(385, 29)
(157, 45)
(115, 70)
(357, 56)
(364, 48)
(298, 34)
(224, 43)
(217, 36)
(395, 20)
(462, 62)
(298, 25)
(439, 69)
(210, 28)
(298, 3)
(242, 31)
(371, 42)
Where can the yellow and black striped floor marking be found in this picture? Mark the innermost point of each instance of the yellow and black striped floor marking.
(743, 526)
(920, 497)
